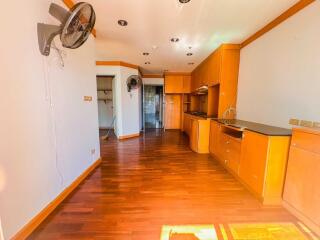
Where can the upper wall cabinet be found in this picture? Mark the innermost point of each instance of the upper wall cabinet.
(221, 70)
(218, 67)
(177, 83)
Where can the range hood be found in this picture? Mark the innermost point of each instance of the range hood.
(202, 90)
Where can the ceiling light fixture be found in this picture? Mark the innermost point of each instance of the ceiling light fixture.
(145, 54)
(174, 40)
(147, 63)
(184, 1)
(189, 54)
(122, 23)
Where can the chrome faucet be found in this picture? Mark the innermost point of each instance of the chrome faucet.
(228, 112)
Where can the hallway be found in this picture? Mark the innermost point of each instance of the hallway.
(151, 181)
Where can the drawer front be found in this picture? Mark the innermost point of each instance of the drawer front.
(305, 140)
(233, 155)
(223, 146)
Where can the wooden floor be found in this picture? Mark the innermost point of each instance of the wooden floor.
(151, 181)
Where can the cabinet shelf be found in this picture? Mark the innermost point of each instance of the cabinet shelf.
(105, 90)
(105, 100)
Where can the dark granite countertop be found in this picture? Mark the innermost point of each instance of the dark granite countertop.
(255, 127)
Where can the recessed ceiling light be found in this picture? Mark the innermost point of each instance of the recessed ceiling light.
(147, 63)
(184, 1)
(191, 63)
(145, 54)
(189, 54)
(174, 40)
(154, 46)
(122, 23)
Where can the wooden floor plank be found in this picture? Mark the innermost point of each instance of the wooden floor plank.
(151, 181)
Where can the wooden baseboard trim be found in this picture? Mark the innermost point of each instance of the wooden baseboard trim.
(41, 216)
(309, 223)
(129, 136)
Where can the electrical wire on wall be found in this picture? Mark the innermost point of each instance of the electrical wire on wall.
(50, 100)
(1, 231)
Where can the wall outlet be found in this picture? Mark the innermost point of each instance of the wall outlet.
(304, 123)
(316, 124)
(295, 122)
(93, 151)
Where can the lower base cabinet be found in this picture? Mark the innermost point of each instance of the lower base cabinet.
(258, 161)
(198, 130)
(302, 193)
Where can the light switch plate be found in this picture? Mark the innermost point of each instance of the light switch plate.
(87, 98)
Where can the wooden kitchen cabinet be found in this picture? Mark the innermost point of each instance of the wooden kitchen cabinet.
(221, 69)
(177, 83)
(187, 84)
(263, 165)
(187, 124)
(214, 138)
(198, 130)
(257, 160)
(302, 193)
(173, 84)
(214, 63)
(253, 160)
(173, 111)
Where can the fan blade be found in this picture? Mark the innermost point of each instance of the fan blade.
(46, 33)
(59, 13)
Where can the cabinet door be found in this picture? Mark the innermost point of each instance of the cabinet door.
(186, 84)
(186, 124)
(233, 155)
(254, 154)
(173, 84)
(302, 183)
(228, 80)
(173, 111)
(194, 134)
(214, 63)
(214, 137)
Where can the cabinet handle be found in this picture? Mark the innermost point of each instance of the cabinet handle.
(225, 161)
(227, 150)
(228, 142)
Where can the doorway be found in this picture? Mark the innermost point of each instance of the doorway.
(105, 103)
(153, 106)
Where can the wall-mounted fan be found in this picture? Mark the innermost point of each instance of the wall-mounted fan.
(133, 82)
(76, 26)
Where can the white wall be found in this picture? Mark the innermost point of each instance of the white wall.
(47, 130)
(280, 72)
(153, 81)
(126, 105)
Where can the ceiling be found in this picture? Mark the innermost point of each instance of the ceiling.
(201, 25)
